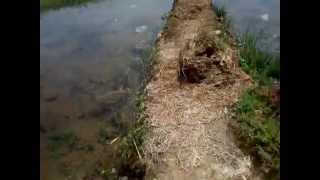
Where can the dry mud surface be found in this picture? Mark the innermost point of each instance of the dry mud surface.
(195, 81)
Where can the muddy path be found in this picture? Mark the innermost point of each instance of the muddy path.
(195, 81)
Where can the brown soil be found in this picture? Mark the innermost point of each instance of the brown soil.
(196, 79)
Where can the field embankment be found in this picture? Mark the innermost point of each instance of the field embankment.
(196, 79)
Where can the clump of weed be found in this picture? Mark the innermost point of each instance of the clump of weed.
(262, 66)
(222, 16)
(133, 139)
(259, 128)
(220, 11)
(130, 144)
(224, 24)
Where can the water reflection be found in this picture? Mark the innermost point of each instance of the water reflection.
(89, 64)
(262, 17)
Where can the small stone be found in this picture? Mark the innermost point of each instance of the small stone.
(225, 110)
(113, 170)
(159, 35)
(217, 32)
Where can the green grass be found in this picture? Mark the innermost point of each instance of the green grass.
(129, 147)
(262, 66)
(56, 4)
(220, 11)
(257, 122)
(259, 127)
(131, 141)
(222, 16)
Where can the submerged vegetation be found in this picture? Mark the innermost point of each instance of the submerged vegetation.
(57, 142)
(63, 143)
(55, 4)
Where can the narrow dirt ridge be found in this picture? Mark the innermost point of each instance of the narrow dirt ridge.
(195, 81)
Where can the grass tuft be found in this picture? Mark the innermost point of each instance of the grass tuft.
(262, 66)
(223, 17)
(220, 11)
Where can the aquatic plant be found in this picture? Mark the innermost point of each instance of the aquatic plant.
(57, 142)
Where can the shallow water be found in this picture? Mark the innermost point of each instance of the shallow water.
(90, 63)
(262, 17)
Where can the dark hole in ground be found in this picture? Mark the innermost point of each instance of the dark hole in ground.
(134, 171)
(190, 74)
(209, 51)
